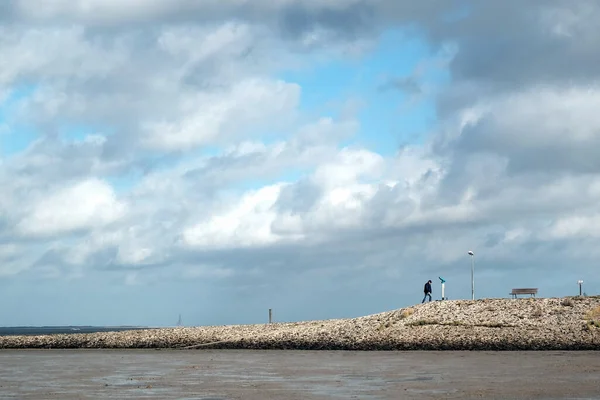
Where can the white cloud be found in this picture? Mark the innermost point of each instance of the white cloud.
(197, 44)
(91, 9)
(348, 166)
(219, 173)
(28, 53)
(556, 115)
(246, 224)
(575, 226)
(346, 185)
(83, 205)
(209, 118)
(112, 11)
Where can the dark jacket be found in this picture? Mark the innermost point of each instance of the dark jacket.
(427, 288)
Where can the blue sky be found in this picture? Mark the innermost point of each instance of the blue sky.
(387, 118)
(387, 121)
(207, 192)
(18, 135)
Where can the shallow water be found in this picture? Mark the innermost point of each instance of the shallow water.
(245, 374)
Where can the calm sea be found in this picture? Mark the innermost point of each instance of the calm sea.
(49, 330)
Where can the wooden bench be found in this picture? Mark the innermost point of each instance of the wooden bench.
(531, 291)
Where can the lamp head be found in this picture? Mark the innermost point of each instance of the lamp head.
(471, 253)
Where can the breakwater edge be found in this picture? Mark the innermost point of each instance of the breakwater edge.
(571, 323)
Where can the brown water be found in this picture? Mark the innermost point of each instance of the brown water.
(245, 374)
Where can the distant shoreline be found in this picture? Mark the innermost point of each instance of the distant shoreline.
(50, 330)
(489, 324)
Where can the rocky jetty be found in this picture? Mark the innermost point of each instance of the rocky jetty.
(490, 324)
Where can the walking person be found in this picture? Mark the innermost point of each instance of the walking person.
(427, 290)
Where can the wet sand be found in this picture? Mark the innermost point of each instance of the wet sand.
(275, 374)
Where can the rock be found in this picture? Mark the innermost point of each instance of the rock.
(490, 324)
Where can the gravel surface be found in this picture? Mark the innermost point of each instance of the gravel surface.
(489, 324)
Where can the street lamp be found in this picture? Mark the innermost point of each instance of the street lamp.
(580, 283)
(472, 274)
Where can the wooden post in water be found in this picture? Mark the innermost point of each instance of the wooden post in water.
(270, 315)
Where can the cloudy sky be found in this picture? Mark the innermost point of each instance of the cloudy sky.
(218, 158)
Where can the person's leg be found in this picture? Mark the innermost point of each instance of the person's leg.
(429, 294)
(424, 298)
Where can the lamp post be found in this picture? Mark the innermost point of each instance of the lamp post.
(580, 283)
(472, 274)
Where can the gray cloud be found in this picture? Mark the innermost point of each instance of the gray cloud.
(547, 41)
(510, 171)
(299, 197)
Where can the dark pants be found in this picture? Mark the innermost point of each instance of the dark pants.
(426, 294)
